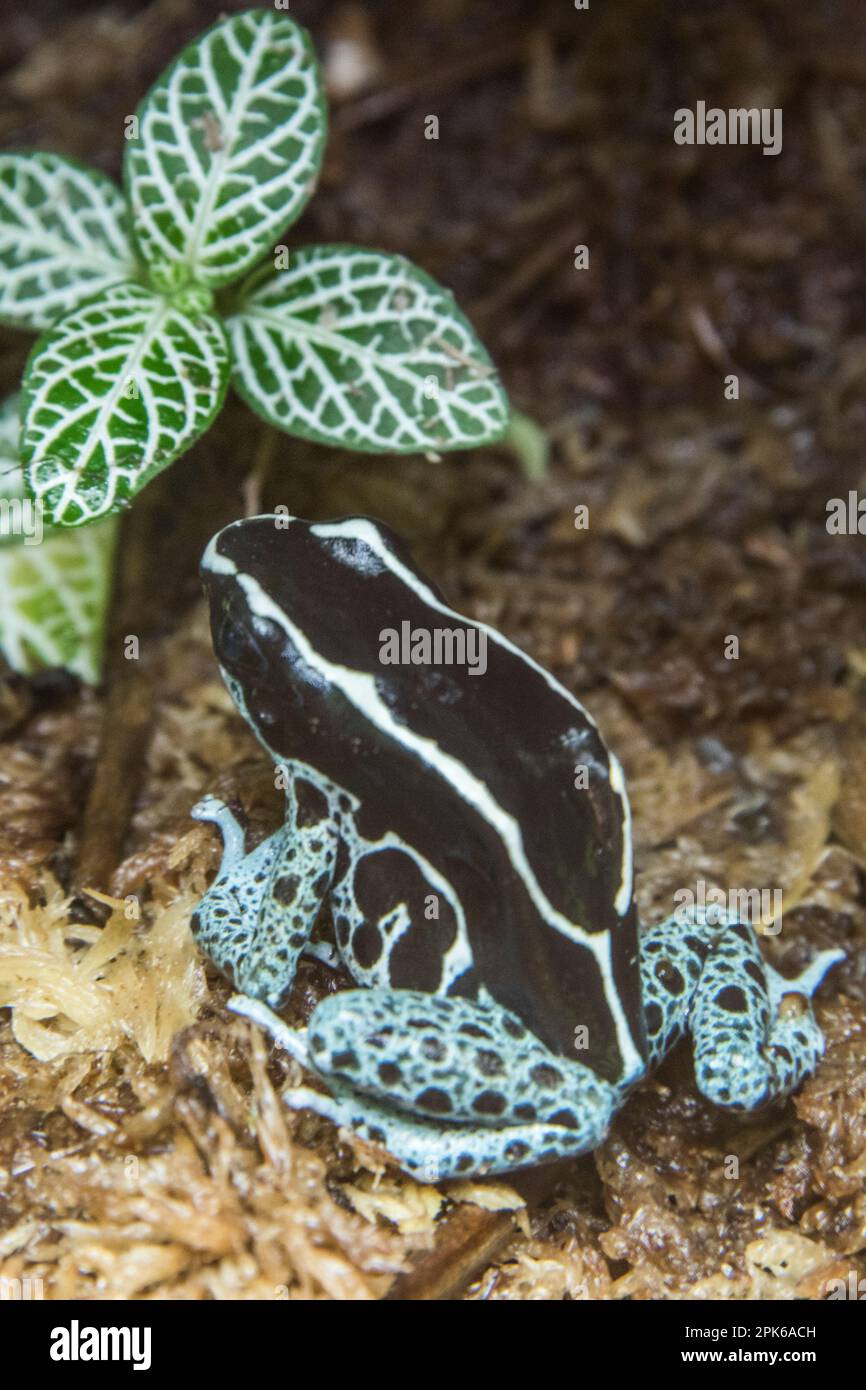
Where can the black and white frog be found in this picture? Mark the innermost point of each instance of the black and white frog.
(481, 893)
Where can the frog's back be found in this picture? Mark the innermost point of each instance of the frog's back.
(485, 765)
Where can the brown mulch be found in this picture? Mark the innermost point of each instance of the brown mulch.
(144, 1151)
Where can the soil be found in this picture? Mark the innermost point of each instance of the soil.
(705, 615)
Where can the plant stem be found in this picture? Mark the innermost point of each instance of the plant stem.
(529, 444)
(161, 540)
(127, 714)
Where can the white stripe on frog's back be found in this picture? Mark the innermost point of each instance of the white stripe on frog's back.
(365, 531)
(359, 688)
(622, 901)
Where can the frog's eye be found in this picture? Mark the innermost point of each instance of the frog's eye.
(242, 645)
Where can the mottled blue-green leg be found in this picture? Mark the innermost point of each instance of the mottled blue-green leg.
(672, 958)
(755, 1036)
(256, 918)
(448, 1086)
(224, 923)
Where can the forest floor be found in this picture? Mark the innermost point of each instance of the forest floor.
(144, 1150)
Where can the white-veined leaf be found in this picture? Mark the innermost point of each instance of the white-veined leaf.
(112, 394)
(362, 349)
(62, 237)
(54, 584)
(229, 148)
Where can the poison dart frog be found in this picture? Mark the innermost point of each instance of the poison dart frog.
(481, 900)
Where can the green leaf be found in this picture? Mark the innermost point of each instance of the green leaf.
(230, 143)
(112, 394)
(62, 237)
(362, 349)
(55, 591)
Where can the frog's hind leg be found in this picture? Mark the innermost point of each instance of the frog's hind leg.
(447, 1086)
(448, 1081)
(255, 920)
(672, 957)
(755, 1036)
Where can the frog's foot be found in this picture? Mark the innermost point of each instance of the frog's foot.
(256, 918)
(755, 1036)
(224, 923)
(434, 1152)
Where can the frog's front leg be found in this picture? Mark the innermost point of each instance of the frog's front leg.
(755, 1035)
(256, 918)
(446, 1085)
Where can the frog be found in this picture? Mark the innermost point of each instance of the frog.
(471, 834)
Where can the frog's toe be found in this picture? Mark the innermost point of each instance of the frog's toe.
(215, 812)
(806, 982)
(292, 1040)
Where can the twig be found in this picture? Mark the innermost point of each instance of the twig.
(467, 1239)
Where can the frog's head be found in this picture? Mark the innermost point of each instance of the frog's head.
(290, 598)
